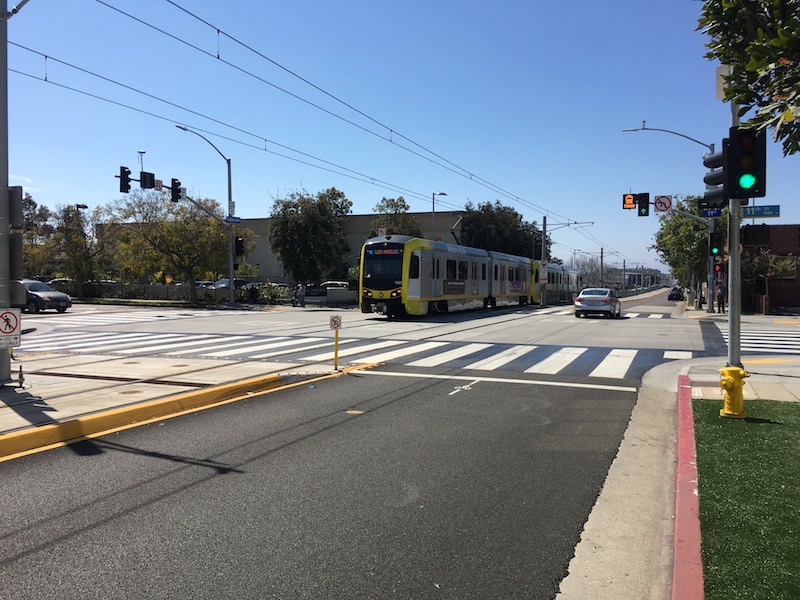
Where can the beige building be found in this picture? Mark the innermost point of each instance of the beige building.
(356, 230)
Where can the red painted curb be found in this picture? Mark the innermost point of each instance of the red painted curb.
(687, 564)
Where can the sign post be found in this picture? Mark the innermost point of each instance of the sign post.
(336, 325)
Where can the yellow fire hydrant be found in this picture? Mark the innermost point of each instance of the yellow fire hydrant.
(731, 381)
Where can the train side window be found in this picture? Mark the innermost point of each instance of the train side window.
(463, 269)
(483, 271)
(451, 269)
(413, 269)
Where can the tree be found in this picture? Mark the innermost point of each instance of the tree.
(682, 242)
(500, 228)
(83, 255)
(393, 217)
(152, 234)
(307, 234)
(37, 237)
(760, 42)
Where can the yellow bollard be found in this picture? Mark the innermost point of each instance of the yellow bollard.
(731, 382)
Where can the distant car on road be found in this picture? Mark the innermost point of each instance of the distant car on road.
(675, 294)
(33, 296)
(598, 301)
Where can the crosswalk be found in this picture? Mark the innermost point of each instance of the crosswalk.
(614, 363)
(767, 341)
(89, 319)
(626, 315)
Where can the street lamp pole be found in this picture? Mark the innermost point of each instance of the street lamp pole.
(230, 212)
(433, 213)
(710, 270)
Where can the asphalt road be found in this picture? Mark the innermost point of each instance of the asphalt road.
(386, 483)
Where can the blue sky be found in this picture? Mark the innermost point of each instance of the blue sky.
(520, 101)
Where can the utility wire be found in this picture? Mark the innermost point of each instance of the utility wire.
(448, 165)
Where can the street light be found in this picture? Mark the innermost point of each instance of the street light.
(230, 212)
(433, 213)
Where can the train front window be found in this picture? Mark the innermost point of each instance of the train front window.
(383, 266)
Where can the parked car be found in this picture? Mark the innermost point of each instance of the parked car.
(675, 294)
(598, 301)
(34, 296)
(222, 284)
(333, 284)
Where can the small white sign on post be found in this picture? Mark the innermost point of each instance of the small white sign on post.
(336, 325)
(10, 328)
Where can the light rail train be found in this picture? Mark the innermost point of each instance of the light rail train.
(402, 275)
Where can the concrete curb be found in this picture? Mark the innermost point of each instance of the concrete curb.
(687, 571)
(75, 429)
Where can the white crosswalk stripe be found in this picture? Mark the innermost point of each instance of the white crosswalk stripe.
(401, 352)
(556, 361)
(444, 357)
(117, 318)
(765, 340)
(613, 363)
(501, 358)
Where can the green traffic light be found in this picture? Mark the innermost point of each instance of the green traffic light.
(746, 181)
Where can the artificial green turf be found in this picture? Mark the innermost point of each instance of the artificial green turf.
(749, 485)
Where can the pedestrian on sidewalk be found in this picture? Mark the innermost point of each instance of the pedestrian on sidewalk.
(721, 293)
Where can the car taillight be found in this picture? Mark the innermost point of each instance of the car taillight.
(606, 301)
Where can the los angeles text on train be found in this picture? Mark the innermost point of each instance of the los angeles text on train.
(402, 275)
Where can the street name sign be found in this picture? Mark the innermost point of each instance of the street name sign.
(761, 212)
(711, 213)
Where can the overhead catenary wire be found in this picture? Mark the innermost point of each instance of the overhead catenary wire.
(331, 167)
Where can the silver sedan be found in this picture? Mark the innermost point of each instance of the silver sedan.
(598, 301)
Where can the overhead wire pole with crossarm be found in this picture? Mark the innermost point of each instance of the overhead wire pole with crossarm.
(710, 147)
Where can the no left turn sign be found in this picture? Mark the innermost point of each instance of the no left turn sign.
(662, 203)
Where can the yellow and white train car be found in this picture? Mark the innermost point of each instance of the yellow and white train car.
(402, 275)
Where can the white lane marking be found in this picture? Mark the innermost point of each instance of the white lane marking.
(587, 386)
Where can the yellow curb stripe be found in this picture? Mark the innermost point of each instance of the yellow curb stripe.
(38, 439)
(60, 433)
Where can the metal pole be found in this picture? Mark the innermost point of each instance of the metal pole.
(544, 260)
(734, 271)
(433, 216)
(231, 297)
(710, 282)
(5, 237)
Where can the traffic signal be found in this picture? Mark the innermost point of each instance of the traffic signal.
(124, 180)
(643, 205)
(175, 190)
(746, 163)
(238, 246)
(715, 244)
(147, 181)
(628, 201)
(715, 195)
(717, 267)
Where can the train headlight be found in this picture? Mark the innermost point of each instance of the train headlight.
(395, 293)
(367, 293)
